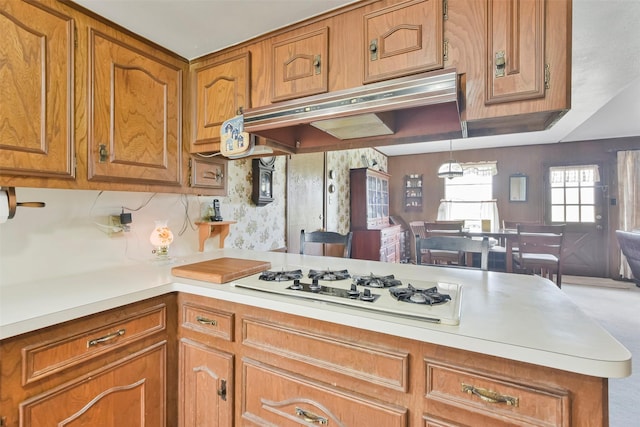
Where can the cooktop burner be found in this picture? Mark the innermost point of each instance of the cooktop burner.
(424, 300)
(429, 296)
(374, 281)
(280, 276)
(328, 274)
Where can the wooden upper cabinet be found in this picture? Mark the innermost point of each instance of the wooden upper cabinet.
(221, 91)
(515, 50)
(300, 65)
(135, 114)
(36, 91)
(403, 39)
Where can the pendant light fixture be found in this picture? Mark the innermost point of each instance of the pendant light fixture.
(451, 168)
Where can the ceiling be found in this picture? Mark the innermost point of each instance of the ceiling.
(605, 57)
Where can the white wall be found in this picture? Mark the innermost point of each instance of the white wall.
(63, 238)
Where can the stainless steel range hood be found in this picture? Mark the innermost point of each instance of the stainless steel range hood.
(416, 108)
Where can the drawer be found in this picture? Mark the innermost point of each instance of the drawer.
(375, 365)
(494, 398)
(208, 173)
(271, 396)
(208, 321)
(47, 358)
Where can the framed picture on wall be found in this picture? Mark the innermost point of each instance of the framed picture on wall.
(518, 188)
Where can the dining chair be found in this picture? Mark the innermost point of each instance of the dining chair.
(443, 228)
(418, 232)
(630, 245)
(540, 250)
(326, 238)
(462, 245)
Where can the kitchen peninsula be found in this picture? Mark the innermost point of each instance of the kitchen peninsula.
(522, 352)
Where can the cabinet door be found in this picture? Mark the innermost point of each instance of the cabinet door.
(403, 39)
(515, 50)
(130, 392)
(36, 91)
(300, 65)
(134, 114)
(221, 92)
(206, 386)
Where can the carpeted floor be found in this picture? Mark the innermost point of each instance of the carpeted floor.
(615, 306)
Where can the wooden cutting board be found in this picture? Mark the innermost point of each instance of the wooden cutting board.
(221, 270)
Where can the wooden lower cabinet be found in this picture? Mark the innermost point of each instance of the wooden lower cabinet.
(128, 392)
(229, 364)
(291, 370)
(110, 369)
(206, 386)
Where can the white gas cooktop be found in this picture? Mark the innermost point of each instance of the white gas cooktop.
(431, 301)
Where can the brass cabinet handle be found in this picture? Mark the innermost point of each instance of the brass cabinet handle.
(310, 417)
(317, 64)
(222, 391)
(102, 153)
(373, 49)
(490, 396)
(106, 338)
(217, 175)
(205, 321)
(501, 63)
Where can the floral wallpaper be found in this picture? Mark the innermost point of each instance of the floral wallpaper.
(264, 227)
(258, 227)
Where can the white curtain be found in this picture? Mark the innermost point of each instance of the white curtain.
(457, 209)
(628, 197)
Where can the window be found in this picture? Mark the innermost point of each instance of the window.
(470, 197)
(573, 193)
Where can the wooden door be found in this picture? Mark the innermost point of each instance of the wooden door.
(515, 50)
(403, 39)
(581, 205)
(36, 91)
(206, 383)
(135, 119)
(131, 392)
(305, 196)
(300, 65)
(221, 92)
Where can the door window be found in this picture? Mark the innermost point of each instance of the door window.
(573, 197)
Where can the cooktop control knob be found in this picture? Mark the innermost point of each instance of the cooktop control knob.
(353, 292)
(367, 296)
(314, 286)
(296, 286)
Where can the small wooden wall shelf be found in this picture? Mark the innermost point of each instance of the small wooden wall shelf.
(210, 229)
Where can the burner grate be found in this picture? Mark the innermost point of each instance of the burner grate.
(328, 274)
(374, 281)
(410, 294)
(280, 276)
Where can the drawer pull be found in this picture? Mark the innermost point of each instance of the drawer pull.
(310, 417)
(490, 396)
(106, 338)
(205, 321)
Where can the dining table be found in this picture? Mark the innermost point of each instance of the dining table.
(504, 236)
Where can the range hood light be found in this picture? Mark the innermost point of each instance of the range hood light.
(360, 126)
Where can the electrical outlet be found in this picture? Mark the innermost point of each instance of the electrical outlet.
(115, 225)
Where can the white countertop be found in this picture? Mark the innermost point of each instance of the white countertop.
(518, 317)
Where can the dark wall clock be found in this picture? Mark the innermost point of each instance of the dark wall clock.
(263, 180)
